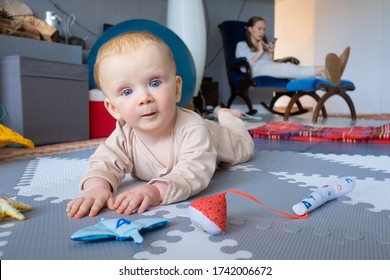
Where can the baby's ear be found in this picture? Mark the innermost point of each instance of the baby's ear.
(179, 85)
(111, 109)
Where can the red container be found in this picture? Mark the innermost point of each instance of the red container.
(101, 123)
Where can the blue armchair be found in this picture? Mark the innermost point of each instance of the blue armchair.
(240, 81)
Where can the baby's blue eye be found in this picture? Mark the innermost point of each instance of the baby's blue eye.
(127, 92)
(155, 83)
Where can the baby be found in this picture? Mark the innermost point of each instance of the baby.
(172, 149)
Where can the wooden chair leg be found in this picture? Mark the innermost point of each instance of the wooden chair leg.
(317, 98)
(295, 100)
(330, 91)
(245, 96)
(272, 103)
(348, 99)
(270, 107)
(320, 105)
(233, 96)
(300, 106)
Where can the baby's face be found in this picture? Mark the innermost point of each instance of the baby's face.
(141, 88)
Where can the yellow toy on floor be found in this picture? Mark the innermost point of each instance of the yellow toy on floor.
(8, 135)
(10, 207)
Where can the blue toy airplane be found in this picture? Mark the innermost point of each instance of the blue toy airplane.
(120, 229)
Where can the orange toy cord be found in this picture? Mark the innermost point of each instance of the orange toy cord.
(304, 216)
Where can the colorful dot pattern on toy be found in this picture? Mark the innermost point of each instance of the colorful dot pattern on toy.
(214, 210)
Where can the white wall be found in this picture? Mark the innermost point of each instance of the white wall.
(385, 54)
(359, 24)
(295, 30)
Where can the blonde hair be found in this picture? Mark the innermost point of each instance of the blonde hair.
(130, 41)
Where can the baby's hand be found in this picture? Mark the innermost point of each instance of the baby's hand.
(141, 197)
(96, 197)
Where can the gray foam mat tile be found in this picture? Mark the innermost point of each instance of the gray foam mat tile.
(355, 226)
(10, 174)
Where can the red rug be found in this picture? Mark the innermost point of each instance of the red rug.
(294, 131)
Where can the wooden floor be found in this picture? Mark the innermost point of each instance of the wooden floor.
(359, 116)
(366, 117)
(333, 120)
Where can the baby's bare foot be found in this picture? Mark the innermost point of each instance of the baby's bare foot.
(235, 112)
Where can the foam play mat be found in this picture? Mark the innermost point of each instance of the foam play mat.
(282, 173)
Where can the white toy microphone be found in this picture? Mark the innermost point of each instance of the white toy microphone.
(335, 189)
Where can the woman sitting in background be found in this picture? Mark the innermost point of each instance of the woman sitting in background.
(260, 55)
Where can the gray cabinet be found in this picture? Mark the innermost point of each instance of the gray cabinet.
(46, 101)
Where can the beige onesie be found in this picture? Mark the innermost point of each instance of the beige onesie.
(197, 147)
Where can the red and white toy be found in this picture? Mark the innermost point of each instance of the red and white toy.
(209, 213)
